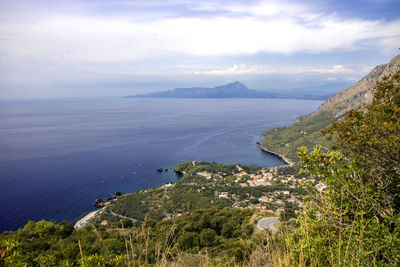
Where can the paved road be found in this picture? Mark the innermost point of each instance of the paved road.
(267, 222)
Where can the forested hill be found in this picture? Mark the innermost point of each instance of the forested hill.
(307, 130)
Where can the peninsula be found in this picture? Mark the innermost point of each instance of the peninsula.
(232, 90)
(239, 90)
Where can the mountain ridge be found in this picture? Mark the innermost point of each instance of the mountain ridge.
(239, 90)
(306, 130)
(231, 90)
(359, 94)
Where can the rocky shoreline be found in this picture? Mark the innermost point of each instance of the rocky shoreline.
(101, 203)
(286, 160)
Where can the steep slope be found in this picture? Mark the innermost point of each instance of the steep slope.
(306, 130)
(358, 95)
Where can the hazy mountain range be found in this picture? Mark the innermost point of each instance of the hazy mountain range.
(239, 90)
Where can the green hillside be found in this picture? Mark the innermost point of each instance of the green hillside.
(190, 222)
(307, 132)
(225, 233)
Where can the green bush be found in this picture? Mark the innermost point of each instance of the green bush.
(207, 237)
(356, 220)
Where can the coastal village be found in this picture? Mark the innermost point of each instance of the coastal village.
(203, 184)
(273, 201)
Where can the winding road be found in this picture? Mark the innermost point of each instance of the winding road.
(122, 216)
(267, 223)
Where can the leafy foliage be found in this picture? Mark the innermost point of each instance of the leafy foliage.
(191, 192)
(158, 226)
(356, 221)
(372, 139)
(217, 230)
(307, 132)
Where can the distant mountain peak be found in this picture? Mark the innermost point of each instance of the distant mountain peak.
(231, 90)
(237, 89)
(236, 84)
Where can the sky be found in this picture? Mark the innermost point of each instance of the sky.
(96, 48)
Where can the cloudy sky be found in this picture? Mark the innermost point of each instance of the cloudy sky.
(111, 48)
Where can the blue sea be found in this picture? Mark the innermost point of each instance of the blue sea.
(58, 156)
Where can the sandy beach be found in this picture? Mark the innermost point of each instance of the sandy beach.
(82, 222)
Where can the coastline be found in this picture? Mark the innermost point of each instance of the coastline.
(115, 160)
(85, 219)
(286, 160)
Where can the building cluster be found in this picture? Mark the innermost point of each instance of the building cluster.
(274, 200)
(268, 176)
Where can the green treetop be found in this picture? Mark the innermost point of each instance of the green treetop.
(356, 220)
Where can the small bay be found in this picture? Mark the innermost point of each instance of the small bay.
(58, 156)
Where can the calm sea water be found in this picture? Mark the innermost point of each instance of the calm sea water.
(58, 156)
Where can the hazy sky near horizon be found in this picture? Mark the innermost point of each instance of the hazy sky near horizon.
(71, 48)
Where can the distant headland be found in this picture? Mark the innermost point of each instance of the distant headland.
(239, 90)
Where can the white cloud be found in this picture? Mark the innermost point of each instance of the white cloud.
(273, 8)
(390, 44)
(106, 39)
(258, 8)
(236, 69)
(331, 78)
(239, 69)
(122, 41)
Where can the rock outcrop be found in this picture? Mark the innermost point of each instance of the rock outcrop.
(306, 130)
(359, 94)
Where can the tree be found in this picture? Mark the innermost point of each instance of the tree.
(356, 221)
(207, 237)
(228, 229)
(187, 240)
(372, 139)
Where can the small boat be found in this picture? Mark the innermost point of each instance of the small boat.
(160, 169)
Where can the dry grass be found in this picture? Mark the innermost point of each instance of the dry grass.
(269, 250)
